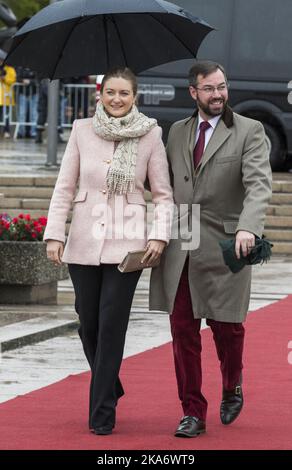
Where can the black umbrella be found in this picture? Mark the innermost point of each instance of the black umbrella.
(84, 37)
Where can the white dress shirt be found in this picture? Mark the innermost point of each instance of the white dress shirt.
(208, 133)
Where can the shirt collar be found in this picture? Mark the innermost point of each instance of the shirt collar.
(213, 121)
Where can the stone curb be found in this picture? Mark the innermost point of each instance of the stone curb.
(35, 336)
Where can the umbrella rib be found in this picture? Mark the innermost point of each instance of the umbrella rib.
(63, 46)
(104, 19)
(169, 30)
(15, 48)
(120, 39)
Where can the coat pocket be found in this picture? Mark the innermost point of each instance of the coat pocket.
(230, 226)
(229, 159)
(135, 198)
(80, 196)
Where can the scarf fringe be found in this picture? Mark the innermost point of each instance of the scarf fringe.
(119, 183)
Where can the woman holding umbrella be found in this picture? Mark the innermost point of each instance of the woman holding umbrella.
(111, 154)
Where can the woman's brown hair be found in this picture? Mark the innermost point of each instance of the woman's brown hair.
(120, 72)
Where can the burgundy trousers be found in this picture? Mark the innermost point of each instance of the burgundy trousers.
(185, 329)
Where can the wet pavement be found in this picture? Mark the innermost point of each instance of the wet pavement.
(25, 157)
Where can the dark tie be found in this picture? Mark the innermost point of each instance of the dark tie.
(199, 147)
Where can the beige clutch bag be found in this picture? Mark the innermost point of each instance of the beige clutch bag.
(132, 262)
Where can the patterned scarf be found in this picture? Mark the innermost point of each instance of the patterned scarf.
(126, 130)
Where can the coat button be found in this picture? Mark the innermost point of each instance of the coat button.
(186, 178)
(104, 191)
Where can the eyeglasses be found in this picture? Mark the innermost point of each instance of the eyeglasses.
(209, 90)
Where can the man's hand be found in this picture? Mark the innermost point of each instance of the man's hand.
(244, 242)
(55, 250)
(154, 250)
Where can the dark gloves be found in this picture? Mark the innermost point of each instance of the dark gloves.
(259, 253)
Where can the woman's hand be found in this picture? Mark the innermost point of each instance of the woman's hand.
(154, 250)
(55, 250)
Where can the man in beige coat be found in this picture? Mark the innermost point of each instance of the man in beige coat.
(219, 161)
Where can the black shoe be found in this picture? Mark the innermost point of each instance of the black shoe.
(231, 405)
(102, 431)
(190, 426)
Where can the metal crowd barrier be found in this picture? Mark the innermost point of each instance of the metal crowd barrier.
(24, 113)
(76, 101)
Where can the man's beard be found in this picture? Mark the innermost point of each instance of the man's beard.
(211, 112)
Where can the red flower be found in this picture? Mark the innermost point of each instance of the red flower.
(43, 220)
(23, 227)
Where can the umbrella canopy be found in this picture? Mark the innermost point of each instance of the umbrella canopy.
(84, 37)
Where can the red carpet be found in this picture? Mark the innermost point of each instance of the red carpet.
(55, 417)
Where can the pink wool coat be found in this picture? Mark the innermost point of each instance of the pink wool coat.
(103, 228)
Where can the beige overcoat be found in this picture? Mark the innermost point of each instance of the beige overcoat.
(232, 185)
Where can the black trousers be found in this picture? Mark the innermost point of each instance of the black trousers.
(6, 119)
(103, 302)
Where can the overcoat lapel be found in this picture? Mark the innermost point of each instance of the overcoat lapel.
(188, 141)
(219, 136)
(221, 133)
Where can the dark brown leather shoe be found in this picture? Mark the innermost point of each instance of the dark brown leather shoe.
(231, 405)
(190, 426)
